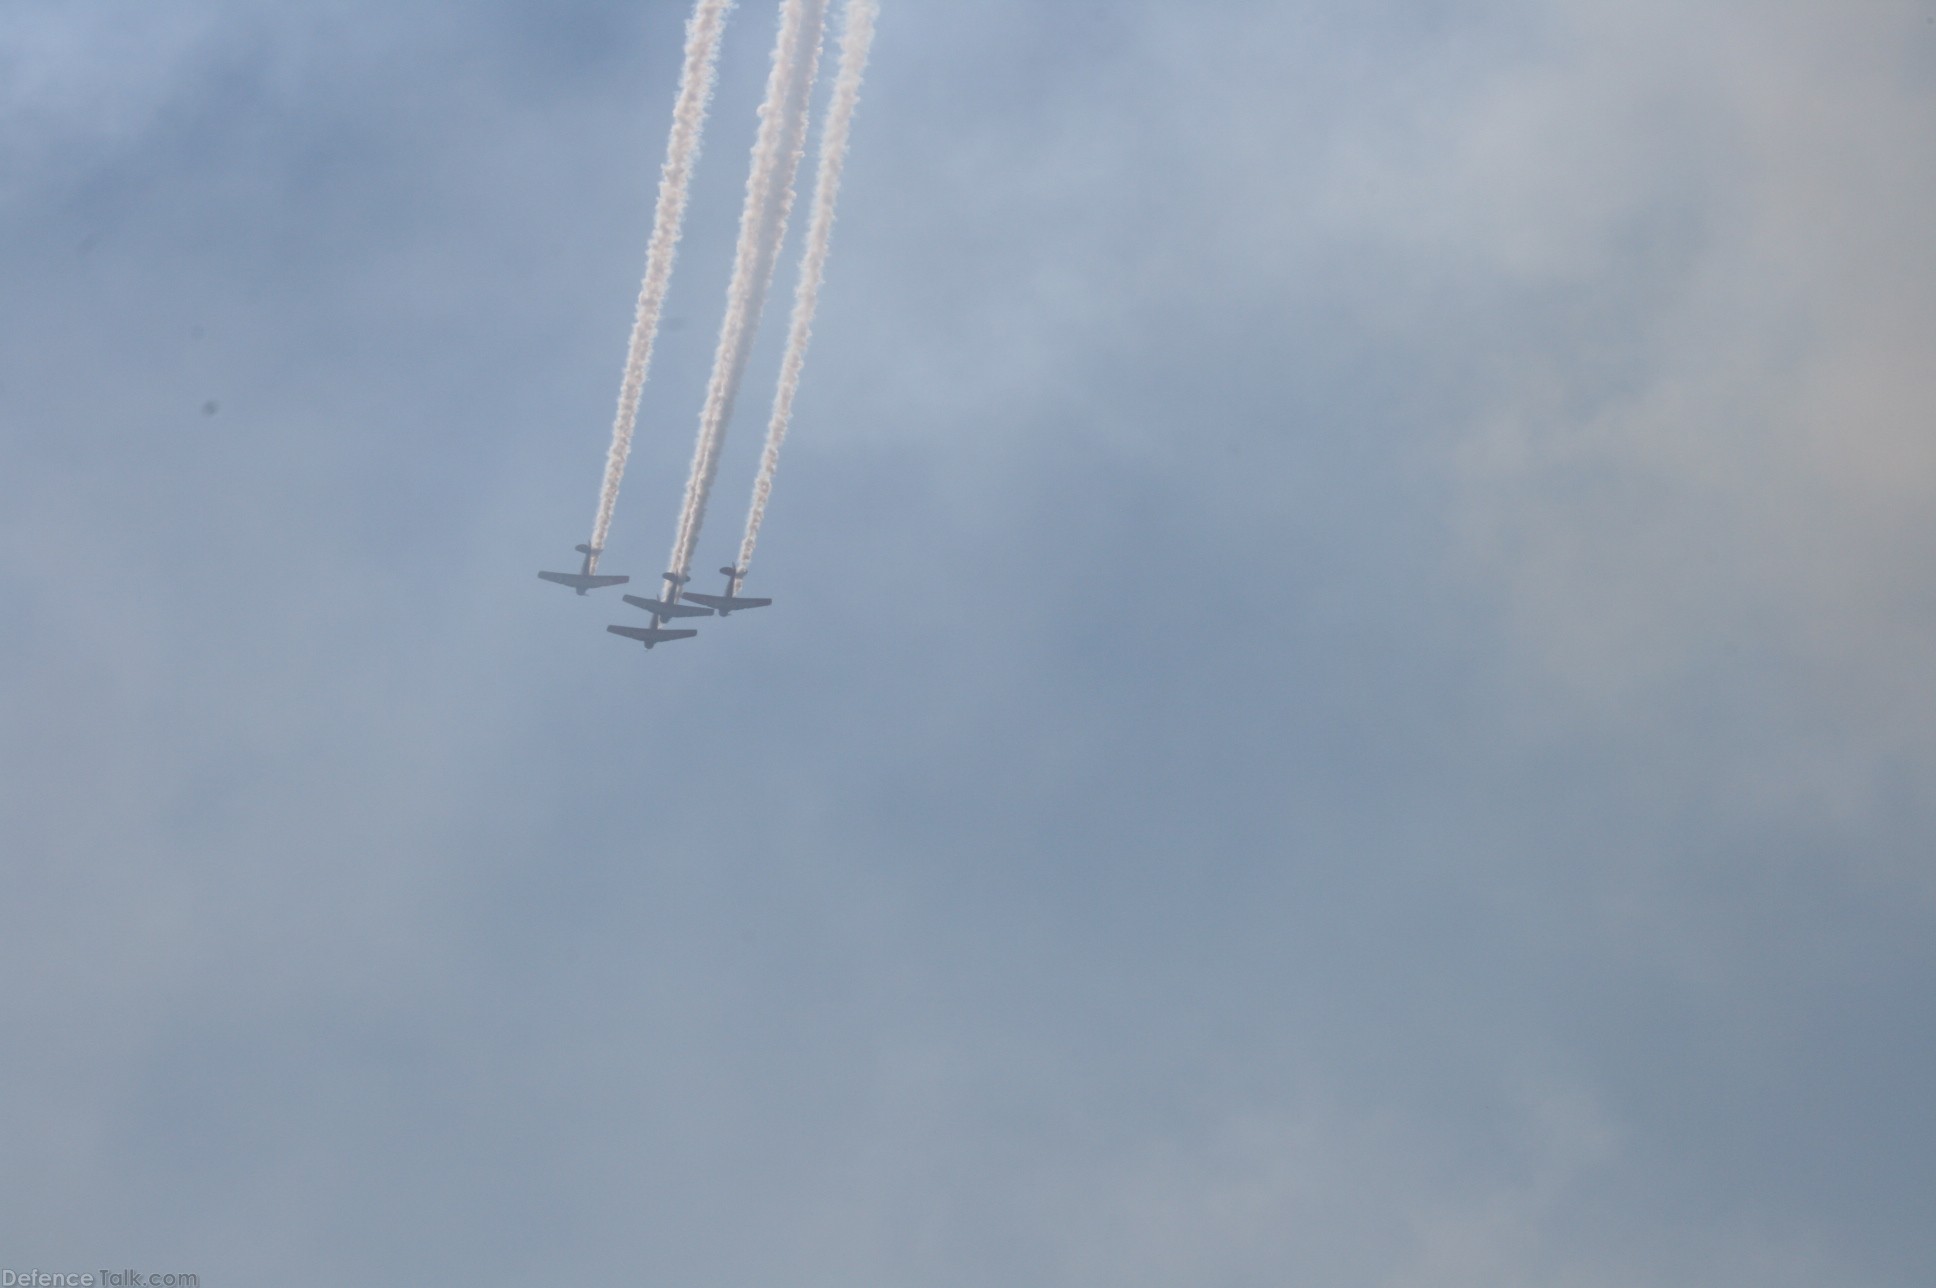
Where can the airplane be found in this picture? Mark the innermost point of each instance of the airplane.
(729, 601)
(650, 635)
(670, 605)
(584, 580)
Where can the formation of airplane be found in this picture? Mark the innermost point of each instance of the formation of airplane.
(671, 607)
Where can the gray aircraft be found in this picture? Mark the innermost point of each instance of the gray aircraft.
(650, 635)
(731, 600)
(670, 605)
(584, 579)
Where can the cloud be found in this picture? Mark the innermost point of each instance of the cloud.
(1716, 445)
(1338, 704)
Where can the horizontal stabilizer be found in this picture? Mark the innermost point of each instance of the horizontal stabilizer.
(650, 635)
(663, 609)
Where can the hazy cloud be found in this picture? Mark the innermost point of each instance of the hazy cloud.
(1343, 702)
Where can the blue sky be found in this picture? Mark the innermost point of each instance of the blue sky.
(1347, 700)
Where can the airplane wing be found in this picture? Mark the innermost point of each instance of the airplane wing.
(727, 603)
(663, 609)
(579, 581)
(650, 634)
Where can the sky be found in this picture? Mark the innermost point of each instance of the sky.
(1348, 697)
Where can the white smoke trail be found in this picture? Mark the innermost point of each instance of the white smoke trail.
(696, 78)
(857, 35)
(769, 198)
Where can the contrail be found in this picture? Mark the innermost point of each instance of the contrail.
(769, 198)
(857, 35)
(696, 78)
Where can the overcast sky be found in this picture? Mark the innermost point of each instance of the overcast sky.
(1349, 697)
